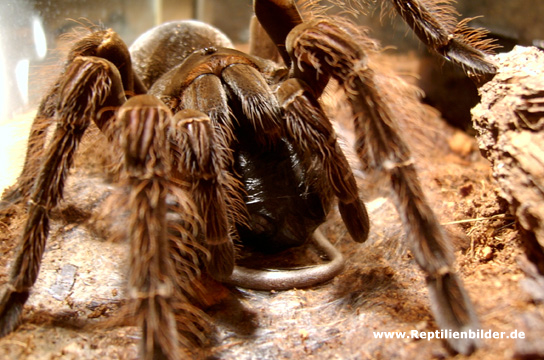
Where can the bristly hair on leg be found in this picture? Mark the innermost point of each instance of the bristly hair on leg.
(434, 22)
(441, 11)
(477, 37)
(310, 8)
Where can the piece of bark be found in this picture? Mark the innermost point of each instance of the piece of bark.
(510, 125)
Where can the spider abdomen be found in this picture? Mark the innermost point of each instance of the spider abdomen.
(163, 47)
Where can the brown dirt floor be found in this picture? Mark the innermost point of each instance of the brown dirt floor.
(81, 283)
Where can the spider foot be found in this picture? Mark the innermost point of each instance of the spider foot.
(11, 308)
(453, 310)
(12, 196)
(222, 260)
(355, 218)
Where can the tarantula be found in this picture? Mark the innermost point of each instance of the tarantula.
(221, 147)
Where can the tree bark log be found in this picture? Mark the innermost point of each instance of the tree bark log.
(510, 125)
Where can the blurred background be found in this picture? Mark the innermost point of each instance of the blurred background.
(31, 31)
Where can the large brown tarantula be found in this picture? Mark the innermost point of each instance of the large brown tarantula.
(219, 146)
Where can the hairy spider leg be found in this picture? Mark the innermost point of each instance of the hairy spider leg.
(88, 84)
(320, 49)
(89, 89)
(380, 147)
(142, 123)
(278, 17)
(171, 157)
(105, 44)
(434, 24)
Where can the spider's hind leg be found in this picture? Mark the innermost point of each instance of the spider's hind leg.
(87, 84)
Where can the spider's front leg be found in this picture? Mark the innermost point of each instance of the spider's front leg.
(175, 193)
(88, 84)
(142, 123)
(172, 197)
